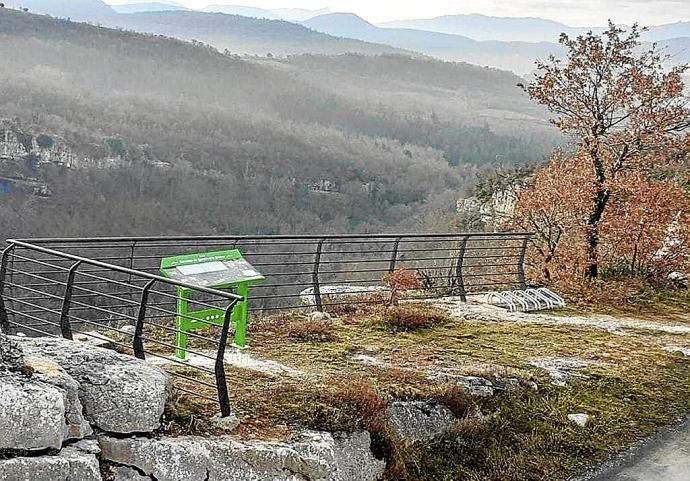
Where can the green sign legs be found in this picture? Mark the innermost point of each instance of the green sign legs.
(240, 316)
(188, 320)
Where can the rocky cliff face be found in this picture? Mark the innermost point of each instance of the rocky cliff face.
(72, 412)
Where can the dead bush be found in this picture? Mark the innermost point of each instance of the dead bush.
(412, 318)
(311, 331)
(399, 281)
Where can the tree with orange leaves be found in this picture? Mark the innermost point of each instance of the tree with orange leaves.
(622, 109)
(646, 230)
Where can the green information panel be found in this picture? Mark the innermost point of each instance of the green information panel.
(223, 270)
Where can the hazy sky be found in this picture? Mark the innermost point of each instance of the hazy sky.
(573, 12)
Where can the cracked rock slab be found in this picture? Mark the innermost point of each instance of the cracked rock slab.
(32, 414)
(72, 464)
(125, 473)
(314, 456)
(120, 394)
(11, 355)
(51, 373)
(562, 370)
(475, 386)
(419, 420)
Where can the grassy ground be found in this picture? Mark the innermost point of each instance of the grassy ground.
(634, 299)
(633, 386)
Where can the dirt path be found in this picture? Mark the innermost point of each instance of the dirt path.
(483, 312)
(664, 458)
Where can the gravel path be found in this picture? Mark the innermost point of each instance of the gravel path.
(484, 312)
(666, 457)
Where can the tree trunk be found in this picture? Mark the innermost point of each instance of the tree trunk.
(600, 201)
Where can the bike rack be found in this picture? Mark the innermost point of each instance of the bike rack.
(526, 300)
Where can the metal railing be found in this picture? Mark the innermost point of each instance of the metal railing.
(52, 286)
(47, 292)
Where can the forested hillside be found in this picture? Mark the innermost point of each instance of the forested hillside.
(210, 142)
(242, 34)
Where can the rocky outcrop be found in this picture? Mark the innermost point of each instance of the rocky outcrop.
(340, 294)
(51, 373)
(120, 394)
(52, 392)
(475, 386)
(74, 463)
(419, 420)
(312, 456)
(32, 415)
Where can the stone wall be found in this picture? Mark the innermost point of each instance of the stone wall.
(73, 412)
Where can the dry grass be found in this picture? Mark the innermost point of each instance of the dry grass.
(635, 388)
(633, 298)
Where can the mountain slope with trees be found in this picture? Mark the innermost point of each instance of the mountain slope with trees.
(251, 143)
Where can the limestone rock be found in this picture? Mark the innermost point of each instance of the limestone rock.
(32, 414)
(475, 386)
(579, 419)
(314, 456)
(562, 370)
(72, 464)
(120, 394)
(419, 420)
(51, 373)
(354, 460)
(319, 316)
(11, 355)
(125, 473)
(41, 468)
(339, 294)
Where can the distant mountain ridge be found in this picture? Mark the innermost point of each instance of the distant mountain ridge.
(522, 29)
(289, 14)
(483, 27)
(77, 9)
(244, 35)
(516, 56)
(255, 31)
(136, 7)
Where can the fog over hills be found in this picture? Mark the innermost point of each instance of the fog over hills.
(137, 7)
(243, 35)
(507, 43)
(516, 56)
(526, 29)
(290, 14)
(483, 27)
(77, 9)
(312, 142)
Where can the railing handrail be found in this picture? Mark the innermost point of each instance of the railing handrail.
(207, 290)
(97, 240)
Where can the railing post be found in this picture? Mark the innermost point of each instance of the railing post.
(137, 341)
(4, 321)
(65, 324)
(315, 276)
(521, 265)
(394, 256)
(221, 383)
(459, 269)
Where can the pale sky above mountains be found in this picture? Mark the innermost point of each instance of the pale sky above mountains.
(572, 12)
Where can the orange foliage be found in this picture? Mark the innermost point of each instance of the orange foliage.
(644, 231)
(400, 280)
(626, 112)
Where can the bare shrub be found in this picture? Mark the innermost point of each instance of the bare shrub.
(412, 318)
(399, 281)
(312, 331)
